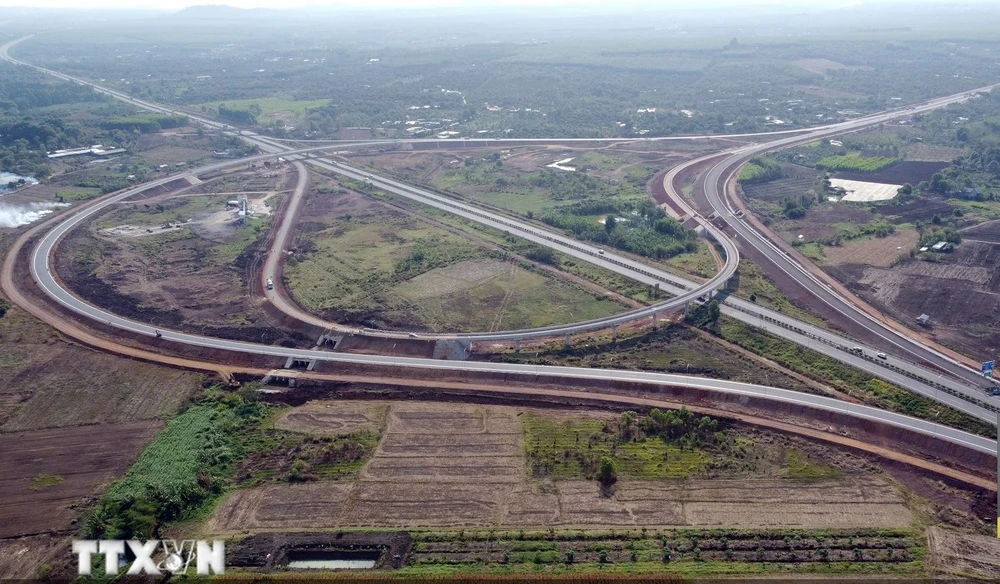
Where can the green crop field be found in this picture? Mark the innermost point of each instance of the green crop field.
(270, 105)
(572, 449)
(854, 161)
(172, 460)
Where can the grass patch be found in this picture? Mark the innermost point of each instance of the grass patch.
(296, 458)
(242, 238)
(574, 449)
(602, 277)
(355, 263)
(760, 169)
(799, 466)
(755, 286)
(812, 250)
(186, 467)
(72, 194)
(409, 273)
(700, 264)
(864, 386)
(674, 348)
(43, 481)
(346, 455)
(855, 162)
(270, 105)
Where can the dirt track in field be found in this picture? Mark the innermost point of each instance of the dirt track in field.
(964, 554)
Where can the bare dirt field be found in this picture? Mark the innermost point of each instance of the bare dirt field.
(457, 465)
(194, 274)
(963, 554)
(72, 419)
(44, 474)
(878, 252)
(920, 210)
(960, 291)
(988, 232)
(325, 418)
(24, 558)
(900, 173)
(51, 383)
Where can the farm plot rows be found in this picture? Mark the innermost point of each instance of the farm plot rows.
(780, 189)
(665, 547)
(463, 466)
(923, 209)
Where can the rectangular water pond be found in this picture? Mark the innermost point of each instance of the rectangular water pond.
(332, 560)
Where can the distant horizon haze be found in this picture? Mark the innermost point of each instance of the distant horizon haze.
(467, 5)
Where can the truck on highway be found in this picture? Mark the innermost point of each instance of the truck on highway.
(270, 284)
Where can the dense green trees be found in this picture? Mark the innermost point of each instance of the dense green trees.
(680, 425)
(246, 117)
(607, 88)
(760, 169)
(145, 123)
(39, 114)
(607, 476)
(24, 89)
(641, 228)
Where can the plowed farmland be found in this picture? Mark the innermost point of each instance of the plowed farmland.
(44, 473)
(464, 466)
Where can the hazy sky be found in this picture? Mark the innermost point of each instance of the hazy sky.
(353, 4)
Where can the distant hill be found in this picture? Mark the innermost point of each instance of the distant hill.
(223, 12)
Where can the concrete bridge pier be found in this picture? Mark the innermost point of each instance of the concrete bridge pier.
(568, 343)
(654, 321)
(614, 333)
(517, 345)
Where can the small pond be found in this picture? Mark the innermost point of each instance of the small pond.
(332, 560)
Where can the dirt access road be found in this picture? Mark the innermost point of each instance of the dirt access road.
(277, 250)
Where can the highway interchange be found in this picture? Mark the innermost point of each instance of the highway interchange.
(929, 383)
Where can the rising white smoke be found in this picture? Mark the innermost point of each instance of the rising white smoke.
(12, 215)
